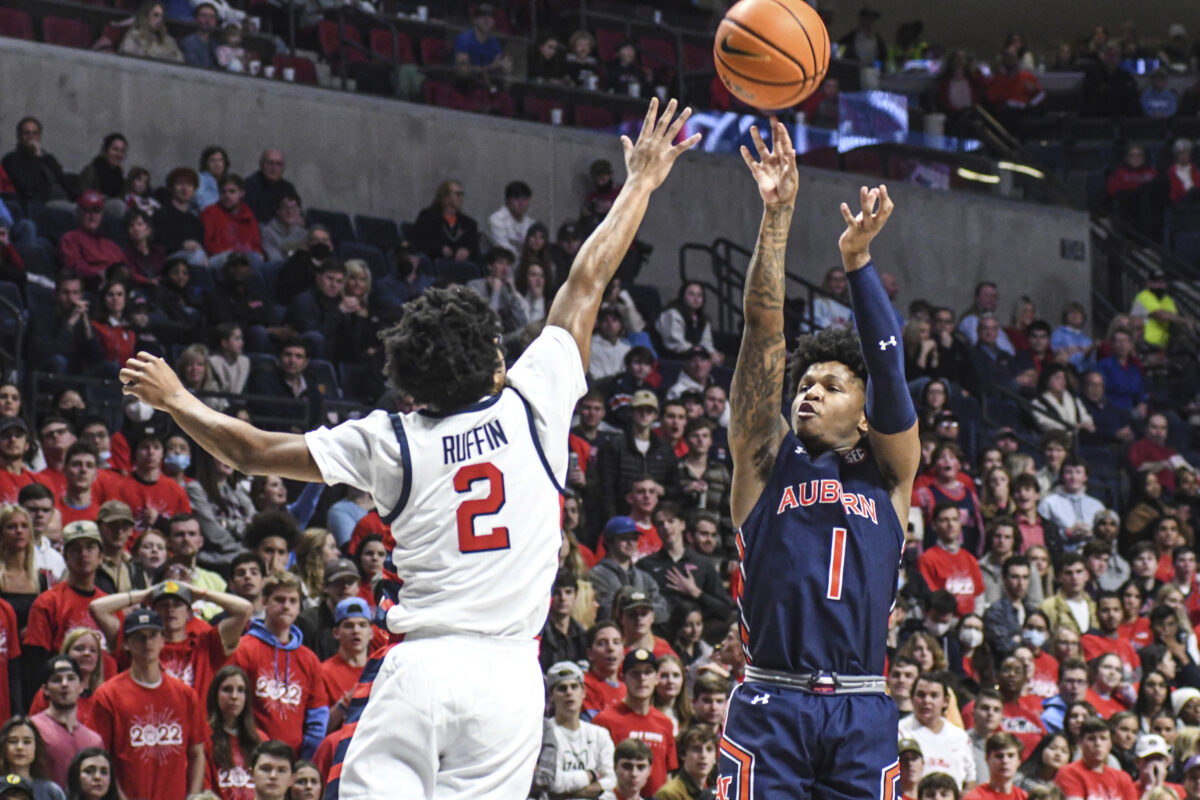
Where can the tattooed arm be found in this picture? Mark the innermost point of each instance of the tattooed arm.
(756, 426)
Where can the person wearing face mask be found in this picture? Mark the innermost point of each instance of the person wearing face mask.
(135, 414)
(1044, 680)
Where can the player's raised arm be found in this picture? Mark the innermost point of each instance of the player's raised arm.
(890, 412)
(647, 164)
(239, 444)
(756, 426)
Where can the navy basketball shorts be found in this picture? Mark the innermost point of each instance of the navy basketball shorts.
(782, 742)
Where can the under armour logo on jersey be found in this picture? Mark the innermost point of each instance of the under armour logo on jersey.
(799, 449)
(760, 699)
(884, 344)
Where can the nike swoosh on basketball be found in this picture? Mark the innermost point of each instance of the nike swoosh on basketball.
(737, 51)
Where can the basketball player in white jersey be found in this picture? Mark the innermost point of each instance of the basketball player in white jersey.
(471, 489)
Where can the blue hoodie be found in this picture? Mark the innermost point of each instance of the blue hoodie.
(315, 719)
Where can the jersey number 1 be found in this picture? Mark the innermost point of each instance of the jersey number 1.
(468, 510)
(837, 564)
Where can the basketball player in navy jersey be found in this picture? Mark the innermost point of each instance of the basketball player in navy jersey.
(819, 501)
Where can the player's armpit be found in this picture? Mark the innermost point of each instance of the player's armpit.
(898, 456)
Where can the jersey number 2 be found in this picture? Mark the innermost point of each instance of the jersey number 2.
(468, 510)
(837, 563)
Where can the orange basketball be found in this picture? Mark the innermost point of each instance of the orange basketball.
(772, 54)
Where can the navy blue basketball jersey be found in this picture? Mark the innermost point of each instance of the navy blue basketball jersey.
(820, 555)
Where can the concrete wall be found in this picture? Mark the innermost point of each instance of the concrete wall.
(385, 158)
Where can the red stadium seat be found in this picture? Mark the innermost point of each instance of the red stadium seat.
(864, 160)
(66, 32)
(658, 53)
(435, 52)
(327, 32)
(697, 58)
(592, 117)
(15, 24)
(539, 108)
(821, 158)
(607, 40)
(306, 70)
(382, 44)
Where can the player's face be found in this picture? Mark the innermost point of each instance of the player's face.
(1096, 747)
(632, 775)
(63, 689)
(272, 777)
(1003, 763)
(306, 784)
(95, 776)
(704, 538)
(929, 701)
(282, 608)
(641, 680)
(606, 651)
(827, 411)
(709, 708)
(700, 759)
(567, 698)
(231, 697)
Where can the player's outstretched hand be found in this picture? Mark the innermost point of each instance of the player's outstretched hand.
(151, 380)
(775, 170)
(650, 159)
(862, 227)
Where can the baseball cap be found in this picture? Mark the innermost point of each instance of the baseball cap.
(910, 746)
(563, 671)
(620, 526)
(142, 620)
(91, 200)
(1182, 696)
(80, 529)
(61, 663)
(147, 431)
(351, 608)
(13, 422)
(171, 589)
(634, 600)
(1191, 764)
(945, 416)
(115, 510)
(644, 398)
(13, 783)
(568, 231)
(1176, 29)
(699, 350)
(637, 656)
(340, 568)
(1151, 744)
(1005, 433)
(601, 166)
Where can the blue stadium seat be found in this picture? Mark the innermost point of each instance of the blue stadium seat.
(669, 369)
(376, 261)
(325, 376)
(52, 223)
(1103, 462)
(379, 231)
(1186, 247)
(38, 259)
(1004, 413)
(14, 207)
(648, 301)
(262, 361)
(337, 222)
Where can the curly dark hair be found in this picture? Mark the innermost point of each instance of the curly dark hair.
(831, 344)
(443, 350)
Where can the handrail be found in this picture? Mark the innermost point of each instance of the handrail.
(19, 339)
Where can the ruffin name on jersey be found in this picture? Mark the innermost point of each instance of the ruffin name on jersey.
(464, 446)
(827, 491)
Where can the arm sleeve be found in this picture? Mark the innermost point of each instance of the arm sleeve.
(347, 453)
(315, 722)
(306, 504)
(889, 404)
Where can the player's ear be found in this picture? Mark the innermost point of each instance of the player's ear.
(862, 426)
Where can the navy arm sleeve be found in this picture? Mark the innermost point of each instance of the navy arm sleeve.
(889, 404)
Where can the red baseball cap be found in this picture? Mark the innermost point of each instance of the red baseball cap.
(91, 200)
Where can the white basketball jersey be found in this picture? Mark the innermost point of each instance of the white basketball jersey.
(472, 497)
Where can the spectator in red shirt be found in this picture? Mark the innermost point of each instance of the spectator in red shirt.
(14, 446)
(1106, 638)
(81, 497)
(636, 716)
(352, 629)
(1091, 778)
(234, 736)
(1183, 175)
(1012, 90)
(635, 612)
(1003, 758)
(65, 606)
(1151, 453)
(271, 770)
(605, 649)
(1106, 679)
(290, 703)
(59, 724)
(85, 250)
(85, 646)
(1134, 172)
(116, 338)
(150, 722)
(230, 225)
(149, 493)
(947, 565)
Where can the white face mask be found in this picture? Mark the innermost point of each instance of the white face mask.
(970, 637)
(1034, 638)
(939, 629)
(137, 411)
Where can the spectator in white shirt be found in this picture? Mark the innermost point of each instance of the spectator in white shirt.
(608, 346)
(947, 748)
(1070, 506)
(583, 766)
(508, 224)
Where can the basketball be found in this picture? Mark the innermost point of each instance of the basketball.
(771, 54)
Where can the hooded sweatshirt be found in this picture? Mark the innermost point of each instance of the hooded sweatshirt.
(290, 703)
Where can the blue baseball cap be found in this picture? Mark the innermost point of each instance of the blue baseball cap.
(349, 608)
(619, 526)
